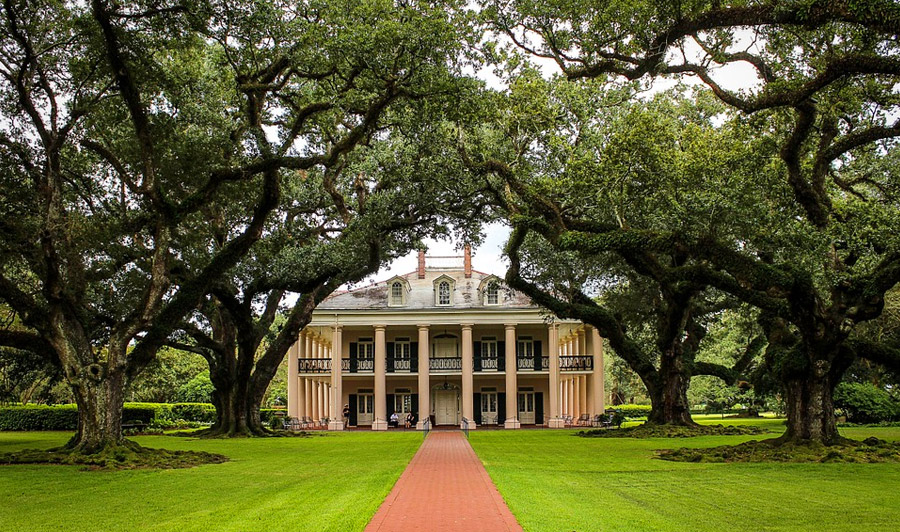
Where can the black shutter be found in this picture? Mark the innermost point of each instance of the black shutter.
(353, 405)
(477, 402)
(476, 349)
(354, 356)
(539, 408)
(390, 405)
(501, 356)
(501, 408)
(414, 359)
(414, 404)
(537, 355)
(389, 359)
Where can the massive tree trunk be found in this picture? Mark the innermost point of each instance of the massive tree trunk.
(668, 393)
(100, 396)
(810, 410)
(236, 400)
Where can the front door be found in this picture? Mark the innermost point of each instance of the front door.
(365, 412)
(446, 407)
(526, 408)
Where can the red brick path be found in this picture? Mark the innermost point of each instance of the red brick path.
(444, 488)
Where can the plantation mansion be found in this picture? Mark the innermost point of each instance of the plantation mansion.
(447, 343)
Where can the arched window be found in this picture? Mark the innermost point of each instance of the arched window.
(444, 293)
(492, 294)
(396, 293)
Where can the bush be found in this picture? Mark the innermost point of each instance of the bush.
(632, 411)
(39, 417)
(865, 403)
(65, 417)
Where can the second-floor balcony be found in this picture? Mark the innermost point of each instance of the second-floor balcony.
(447, 364)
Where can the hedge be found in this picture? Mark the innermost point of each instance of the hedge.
(633, 410)
(65, 417)
(866, 403)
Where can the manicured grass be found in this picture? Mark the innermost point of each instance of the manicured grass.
(554, 481)
(331, 482)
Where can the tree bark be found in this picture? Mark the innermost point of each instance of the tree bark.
(668, 394)
(100, 396)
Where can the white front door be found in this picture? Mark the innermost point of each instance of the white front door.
(446, 407)
(526, 408)
(365, 411)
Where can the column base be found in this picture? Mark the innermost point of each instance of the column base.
(335, 425)
(420, 425)
(472, 425)
(557, 423)
(512, 424)
(379, 424)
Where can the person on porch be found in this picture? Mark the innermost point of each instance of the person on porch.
(410, 420)
(395, 420)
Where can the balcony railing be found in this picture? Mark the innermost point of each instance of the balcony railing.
(402, 365)
(410, 365)
(489, 364)
(528, 364)
(445, 364)
(358, 365)
(314, 365)
(576, 363)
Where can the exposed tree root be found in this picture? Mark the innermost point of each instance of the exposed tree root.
(672, 431)
(870, 450)
(126, 455)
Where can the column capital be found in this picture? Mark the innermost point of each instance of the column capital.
(423, 327)
(379, 327)
(509, 326)
(553, 326)
(467, 326)
(337, 327)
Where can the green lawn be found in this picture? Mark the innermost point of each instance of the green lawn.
(333, 482)
(554, 481)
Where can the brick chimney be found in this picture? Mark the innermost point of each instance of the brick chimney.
(421, 264)
(467, 261)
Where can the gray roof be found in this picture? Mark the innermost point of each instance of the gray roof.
(421, 293)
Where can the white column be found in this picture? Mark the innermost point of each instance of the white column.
(467, 378)
(598, 386)
(581, 347)
(336, 419)
(380, 422)
(554, 392)
(307, 392)
(512, 389)
(314, 387)
(424, 381)
(293, 380)
(576, 392)
(582, 395)
(323, 402)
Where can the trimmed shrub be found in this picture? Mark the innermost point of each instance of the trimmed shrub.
(39, 417)
(866, 403)
(65, 417)
(632, 411)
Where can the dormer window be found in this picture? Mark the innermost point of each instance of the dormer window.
(443, 291)
(398, 288)
(489, 291)
(492, 294)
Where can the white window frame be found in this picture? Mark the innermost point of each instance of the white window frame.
(367, 346)
(492, 289)
(525, 347)
(397, 299)
(439, 299)
(402, 349)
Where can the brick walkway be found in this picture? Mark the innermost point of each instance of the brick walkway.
(444, 488)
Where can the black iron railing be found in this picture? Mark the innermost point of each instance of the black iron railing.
(314, 365)
(358, 365)
(488, 364)
(402, 365)
(576, 363)
(528, 364)
(445, 364)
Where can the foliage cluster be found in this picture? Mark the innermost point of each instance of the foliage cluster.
(866, 403)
